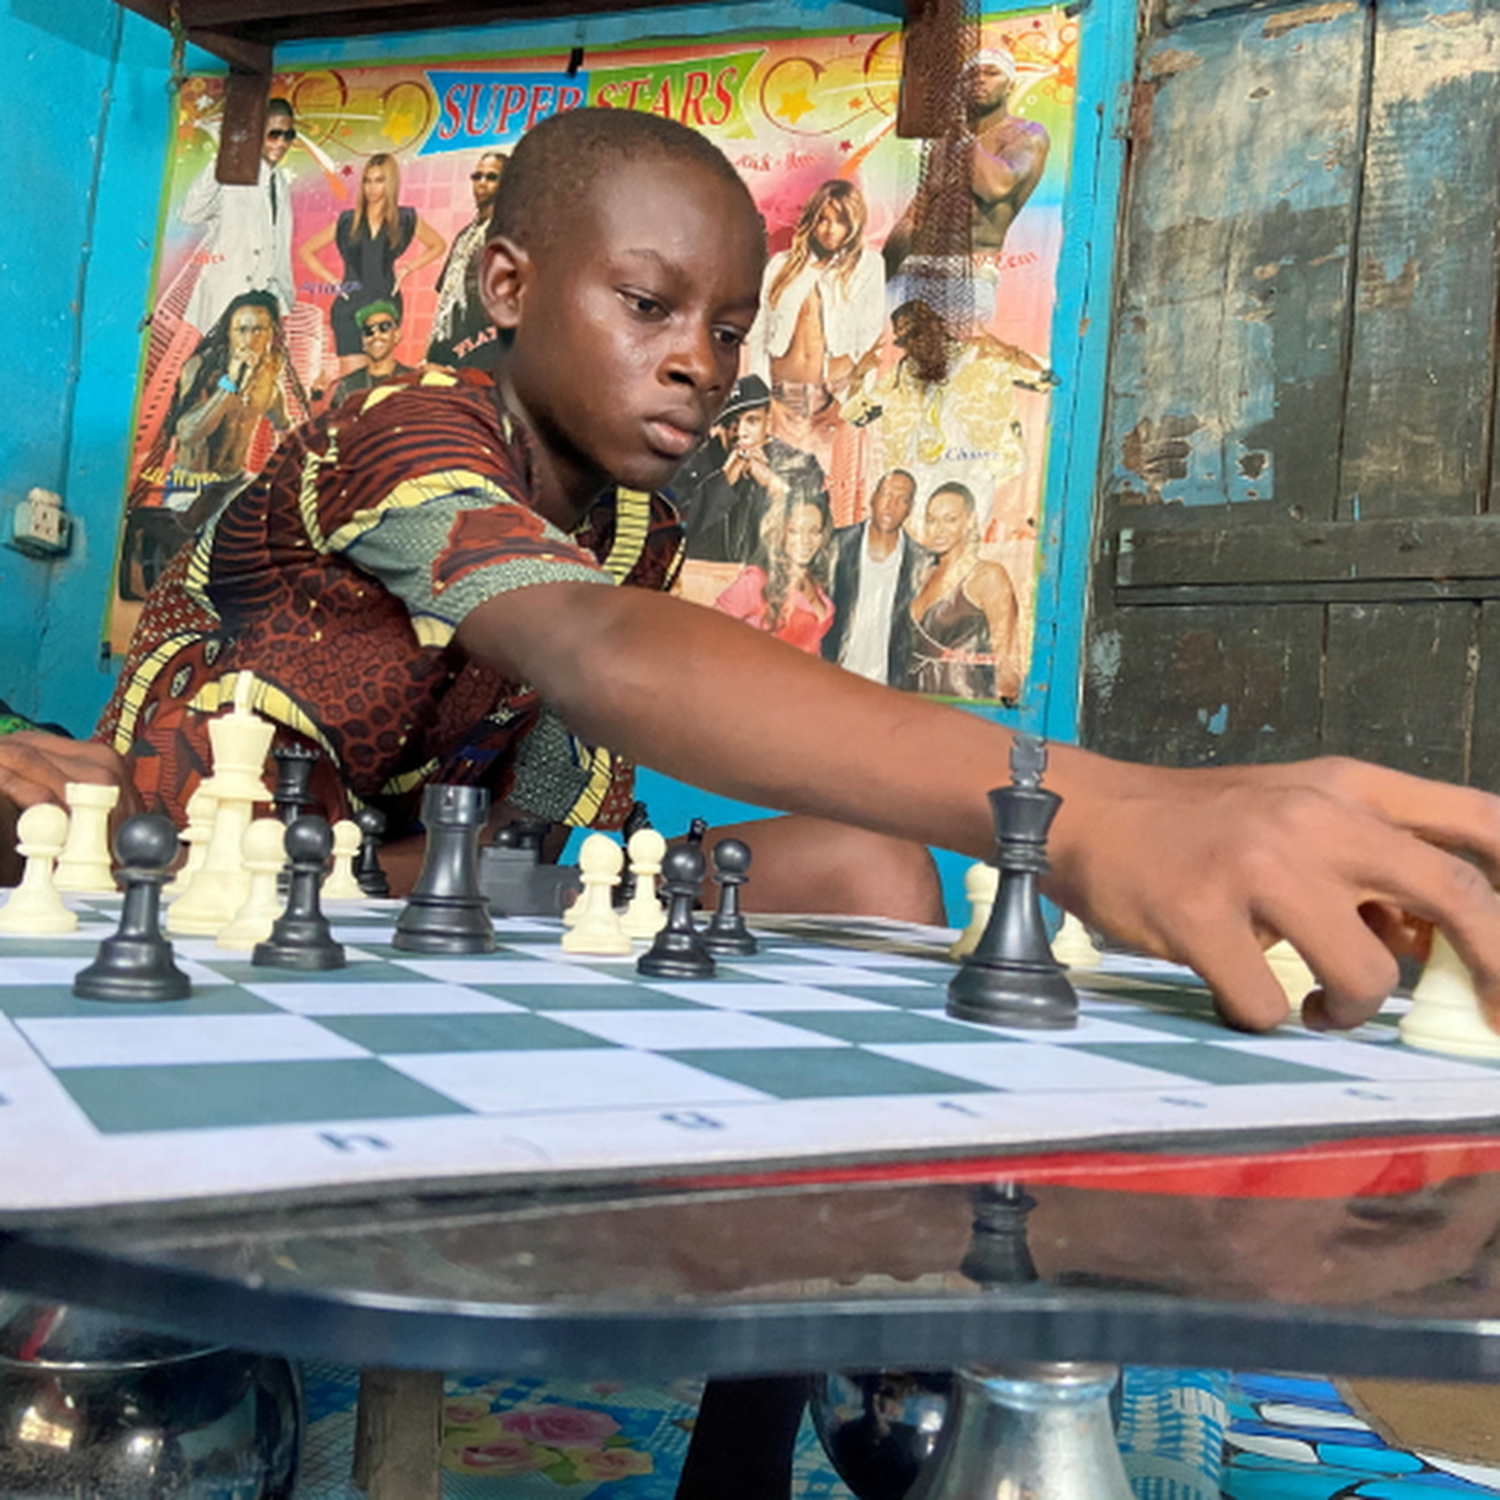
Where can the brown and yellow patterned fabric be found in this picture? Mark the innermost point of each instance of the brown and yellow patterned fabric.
(337, 580)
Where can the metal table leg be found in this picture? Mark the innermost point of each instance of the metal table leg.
(1028, 1432)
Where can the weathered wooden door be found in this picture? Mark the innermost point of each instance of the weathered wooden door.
(1295, 550)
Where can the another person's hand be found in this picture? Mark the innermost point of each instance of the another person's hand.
(36, 767)
(1349, 862)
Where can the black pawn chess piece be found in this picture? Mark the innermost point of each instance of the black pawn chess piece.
(1011, 977)
(136, 964)
(447, 912)
(292, 796)
(678, 951)
(300, 937)
(726, 933)
(367, 872)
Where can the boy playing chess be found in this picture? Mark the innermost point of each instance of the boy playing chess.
(420, 584)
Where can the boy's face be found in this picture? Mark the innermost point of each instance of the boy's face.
(627, 327)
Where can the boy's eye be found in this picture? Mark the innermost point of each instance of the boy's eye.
(731, 338)
(644, 304)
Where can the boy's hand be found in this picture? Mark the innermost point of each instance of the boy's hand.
(1347, 861)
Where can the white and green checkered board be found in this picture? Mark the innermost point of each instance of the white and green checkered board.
(830, 1046)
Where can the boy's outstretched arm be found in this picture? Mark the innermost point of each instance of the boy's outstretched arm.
(1201, 866)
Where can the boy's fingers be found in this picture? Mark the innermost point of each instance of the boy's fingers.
(1226, 955)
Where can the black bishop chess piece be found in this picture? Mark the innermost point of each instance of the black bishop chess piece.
(136, 963)
(1011, 977)
(446, 911)
(678, 951)
(726, 934)
(300, 937)
(370, 878)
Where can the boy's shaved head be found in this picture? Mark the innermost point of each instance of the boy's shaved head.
(558, 161)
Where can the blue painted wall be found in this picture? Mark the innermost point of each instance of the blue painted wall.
(84, 128)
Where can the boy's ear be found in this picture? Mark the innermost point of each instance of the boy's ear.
(505, 272)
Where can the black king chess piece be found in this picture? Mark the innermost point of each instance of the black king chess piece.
(678, 952)
(135, 964)
(447, 912)
(1011, 977)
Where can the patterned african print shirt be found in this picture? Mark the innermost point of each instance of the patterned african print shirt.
(336, 582)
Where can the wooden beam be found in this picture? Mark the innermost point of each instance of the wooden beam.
(244, 126)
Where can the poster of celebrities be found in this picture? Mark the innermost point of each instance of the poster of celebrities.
(872, 490)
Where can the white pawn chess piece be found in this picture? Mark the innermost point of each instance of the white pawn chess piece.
(341, 884)
(1445, 1014)
(1073, 947)
(85, 863)
(1292, 973)
(264, 852)
(981, 885)
(200, 827)
(598, 929)
(645, 916)
(34, 907)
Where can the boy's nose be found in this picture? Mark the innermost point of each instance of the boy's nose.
(696, 358)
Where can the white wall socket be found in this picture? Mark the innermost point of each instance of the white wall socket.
(42, 527)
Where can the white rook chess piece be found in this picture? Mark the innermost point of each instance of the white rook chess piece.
(264, 853)
(645, 916)
(598, 929)
(85, 863)
(981, 883)
(341, 884)
(34, 906)
(1445, 1014)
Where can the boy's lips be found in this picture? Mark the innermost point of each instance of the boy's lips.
(671, 437)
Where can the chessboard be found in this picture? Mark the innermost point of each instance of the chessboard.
(828, 1048)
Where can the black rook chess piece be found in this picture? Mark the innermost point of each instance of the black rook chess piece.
(726, 933)
(678, 951)
(135, 964)
(300, 937)
(1011, 977)
(367, 872)
(447, 912)
(292, 795)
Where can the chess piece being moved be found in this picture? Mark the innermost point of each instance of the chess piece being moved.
(1445, 1014)
(981, 881)
(598, 929)
(644, 915)
(726, 934)
(1011, 977)
(84, 864)
(1292, 973)
(136, 964)
(34, 907)
(1073, 947)
(300, 937)
(446, 911)
(678, 952)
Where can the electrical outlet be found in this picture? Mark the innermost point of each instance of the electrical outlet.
(42, 527)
